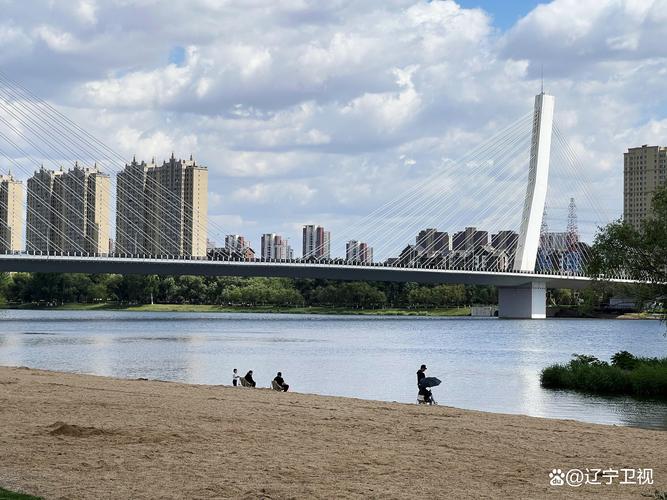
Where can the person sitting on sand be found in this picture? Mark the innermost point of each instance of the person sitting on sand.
(235, 377)
(281, 382)
(249, 380)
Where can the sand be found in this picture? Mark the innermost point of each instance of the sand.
(82, 436)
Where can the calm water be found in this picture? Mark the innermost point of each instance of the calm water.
(485, 364)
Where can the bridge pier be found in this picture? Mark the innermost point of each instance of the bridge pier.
(527, 301)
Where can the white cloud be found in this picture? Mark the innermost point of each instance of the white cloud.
(86, 11)
(305, 109)
(158, 144)
(298, 193)
(55, 39)
(577, 34)
(388, 110)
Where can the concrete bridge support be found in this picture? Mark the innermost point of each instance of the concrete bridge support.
(527, 301)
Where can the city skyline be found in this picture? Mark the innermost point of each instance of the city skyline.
(50, 199)
(343, 140)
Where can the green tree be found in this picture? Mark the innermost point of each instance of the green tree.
(621, 250)
(481, 294)
(561, 297)
(191, 289)
(132, 288)
(5, 283)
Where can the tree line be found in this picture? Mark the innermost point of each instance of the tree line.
(63, 288)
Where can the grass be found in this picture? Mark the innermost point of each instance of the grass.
(625, 375)
(205, 308)
(656, 495)
(643, 315)
(12, 495)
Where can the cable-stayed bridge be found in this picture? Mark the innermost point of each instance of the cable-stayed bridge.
(503, 183)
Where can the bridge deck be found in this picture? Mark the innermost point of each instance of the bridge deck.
(118, 265)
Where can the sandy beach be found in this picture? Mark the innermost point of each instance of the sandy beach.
(82, 436)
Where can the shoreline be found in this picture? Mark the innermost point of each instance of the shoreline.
(87, 436)
(206, 308)
(451, 312)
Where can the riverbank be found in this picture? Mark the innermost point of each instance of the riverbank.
(205, 308)
(642, 315)
(82, 436)
(335, 311)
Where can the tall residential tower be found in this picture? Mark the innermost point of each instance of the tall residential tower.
(275, 247)
(162, 210)
(644, 171)
(358, 252)
(316, 242)
(44, 212)
(11, 214)
(69, 211)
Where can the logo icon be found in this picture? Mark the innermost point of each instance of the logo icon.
(556, 477)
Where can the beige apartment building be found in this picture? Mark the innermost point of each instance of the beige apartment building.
(644, 170)
(69, 211)
(44, 212)
(133, 229)
(162, 209)
(11, 214)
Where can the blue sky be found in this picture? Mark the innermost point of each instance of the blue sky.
(321, 112)
(504, 13)
(177, 55)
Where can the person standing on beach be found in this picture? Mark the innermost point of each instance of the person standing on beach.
(421, 373)
(248, 378)
(235, 378)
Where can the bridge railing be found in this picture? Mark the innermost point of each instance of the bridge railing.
(338, 262)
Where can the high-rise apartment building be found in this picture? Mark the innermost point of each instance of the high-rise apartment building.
(86, 216)
(11, 214)
(431, 241)
(470, 239)
(132, 228)
(358, 252)
(236, 243)
(236, 248)
(316, 242)
(644, 171)
(162, 209)
(275, 247)
(505, 240)
(44, 212)
(68, 211)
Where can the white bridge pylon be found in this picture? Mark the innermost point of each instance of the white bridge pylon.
(538, 178)
(529, 300)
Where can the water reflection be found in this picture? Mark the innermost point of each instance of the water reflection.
(490, 365)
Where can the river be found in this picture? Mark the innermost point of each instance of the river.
(485, 364)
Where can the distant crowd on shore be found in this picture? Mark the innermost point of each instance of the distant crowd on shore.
(277, 384)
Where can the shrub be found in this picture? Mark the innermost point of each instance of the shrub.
(627, 374)
(649, 380)
(624, 360)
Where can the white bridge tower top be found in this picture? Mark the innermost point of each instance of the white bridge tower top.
(538, 177)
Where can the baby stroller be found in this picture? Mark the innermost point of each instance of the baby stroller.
(425, 396)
